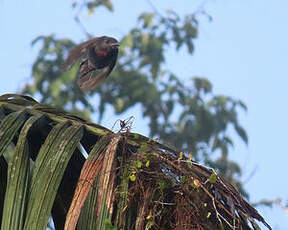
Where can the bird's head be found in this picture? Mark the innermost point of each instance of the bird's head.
(106, 45)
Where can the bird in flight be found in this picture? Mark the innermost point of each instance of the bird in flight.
(96, 54)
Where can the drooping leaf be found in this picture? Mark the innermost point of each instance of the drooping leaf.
(89, 173)
(51, 168)
(9, 126)
(18, 181)
(104, 208)
(242, 133)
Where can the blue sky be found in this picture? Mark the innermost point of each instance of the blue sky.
(243, 52)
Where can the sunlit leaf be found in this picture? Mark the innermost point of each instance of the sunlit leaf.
(212, 178)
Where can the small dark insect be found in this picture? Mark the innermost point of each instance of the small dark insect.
(99, 53)
(125, 125)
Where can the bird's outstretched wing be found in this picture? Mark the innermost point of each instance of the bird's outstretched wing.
(78, 52)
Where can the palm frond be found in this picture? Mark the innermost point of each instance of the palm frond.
(128, 181)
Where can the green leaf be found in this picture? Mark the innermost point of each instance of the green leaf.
(180, 157)
(213, 178)
(50, 166)
(139, 164)
(183, 178)
(109, 225)
(143, 147)
(147, 164)
(243, 106)
(17, 182)
(9, 126)
(132, 177)
(208, 215)
(242, 133)
(147, 19)
(149, 225)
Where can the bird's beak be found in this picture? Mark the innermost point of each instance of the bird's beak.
(115, 45)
